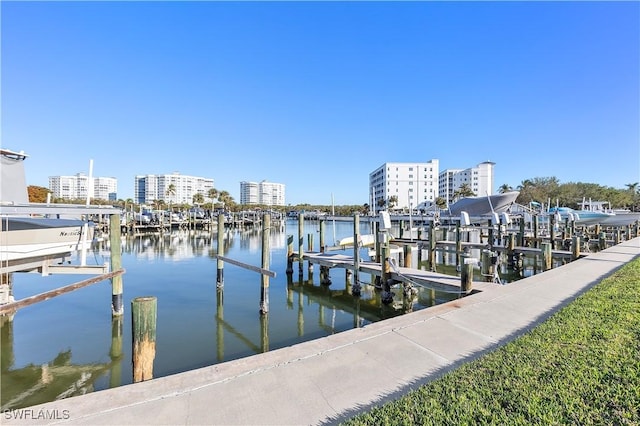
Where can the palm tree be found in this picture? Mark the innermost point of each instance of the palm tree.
(198, 198)
(171, 191)
(212, 194)
(226, 199)
(505, 188)
(393, 200)
(463, 191)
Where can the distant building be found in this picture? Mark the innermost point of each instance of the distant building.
(480, 180)
(267, 193)
(416, 183)
(79, 186)
(411, 183)
(171, 188)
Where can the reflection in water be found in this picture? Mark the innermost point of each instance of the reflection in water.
(198, 323)
(56, 379)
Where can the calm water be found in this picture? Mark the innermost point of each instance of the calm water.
(69, 345)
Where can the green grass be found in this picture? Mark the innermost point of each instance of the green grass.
(580, 367)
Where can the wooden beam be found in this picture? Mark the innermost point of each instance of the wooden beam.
(9, 307)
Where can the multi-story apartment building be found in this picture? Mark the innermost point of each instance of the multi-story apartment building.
(267, 193)
(479, 179)
(79, 186)
(171, 188)
(416, 183)
(411, 183)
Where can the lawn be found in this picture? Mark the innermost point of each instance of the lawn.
(580, 367)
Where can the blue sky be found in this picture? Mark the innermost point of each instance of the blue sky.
(316, 95)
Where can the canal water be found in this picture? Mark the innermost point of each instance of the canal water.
(70, 345)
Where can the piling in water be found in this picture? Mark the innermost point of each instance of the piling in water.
(143, 332)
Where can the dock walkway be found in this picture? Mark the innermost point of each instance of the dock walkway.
(433, 280)
(330, 379)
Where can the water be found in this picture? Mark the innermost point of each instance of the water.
(70, 345)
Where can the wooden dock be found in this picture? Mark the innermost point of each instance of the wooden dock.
(433, 280)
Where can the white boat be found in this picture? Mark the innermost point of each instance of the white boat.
(581, 217)
(481, 206)
(366, 240)
(35, 232)
(614, 217)
(27, 237)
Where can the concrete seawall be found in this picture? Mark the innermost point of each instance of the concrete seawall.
(330, 379)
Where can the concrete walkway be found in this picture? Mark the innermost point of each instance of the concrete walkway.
(330, 379)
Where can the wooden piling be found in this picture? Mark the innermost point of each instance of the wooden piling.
(466, 276)
(266, 250)
(384, 263)
(356, 254)
(300, 242)
(408, 254)
(521, 233)
(115, 240)
(458, 244)
(491, 237)
(220, 262)
(322, 229)
(143, 331)
(575, 247)
(486, 265)
(552, 230)
(289, 254)
(546, 256)
(431, 255)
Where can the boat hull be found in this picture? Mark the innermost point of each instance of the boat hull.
(23, 238)
(483, 206)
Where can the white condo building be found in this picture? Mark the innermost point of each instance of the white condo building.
(480, 180)
(411, 183)
(171, 188)
(267, 193)
(79, 186)
(416, 183)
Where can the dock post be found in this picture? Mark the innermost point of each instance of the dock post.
(602, 240)
(143, 330)
(220, 263)
(490, 232)
(408, 254)
(458, 243)
(324, 275)
(536, 231)
(546, 256)
(521, 233)
(486, 266)
(511, 244)
(117, 307)
(466, 275)
(289, 254)
(264, 279)
(431, 255)
(322, 226)
(552, 230)
(356, 255)
(300, 242)
(310, 242)
(575, 247)
(310, 249)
